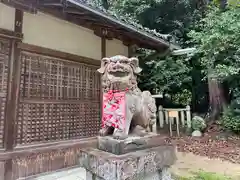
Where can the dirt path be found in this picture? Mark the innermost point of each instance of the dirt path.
(188, 162)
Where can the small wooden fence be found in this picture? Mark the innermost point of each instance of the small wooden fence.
(168, 117)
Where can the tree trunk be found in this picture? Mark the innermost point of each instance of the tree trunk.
(217, 101)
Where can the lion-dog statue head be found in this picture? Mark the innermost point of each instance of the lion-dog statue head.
(119, 72)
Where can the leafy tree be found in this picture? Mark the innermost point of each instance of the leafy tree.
(231, 116)
(165, 16)
(218, 43)
(217, 39)
(172, 76)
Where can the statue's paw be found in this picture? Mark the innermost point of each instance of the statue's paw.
(120, 135)
(103, 132)
(140, 131)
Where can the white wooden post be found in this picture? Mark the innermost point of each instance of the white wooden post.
(154, 127)
(177, 123)
(170, 126)
(182, 118)
(172, 121)
(166, 116)
(188, 111)
(161, 116)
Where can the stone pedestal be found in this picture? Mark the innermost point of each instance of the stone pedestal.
(131, 144)
(151, 163)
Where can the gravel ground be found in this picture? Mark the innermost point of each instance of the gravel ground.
(212, 153)
(188, 163)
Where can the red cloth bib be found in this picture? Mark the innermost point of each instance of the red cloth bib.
(113, 111)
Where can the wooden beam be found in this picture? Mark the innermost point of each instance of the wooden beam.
(83, 18)
(22, 5)
(10, 34)
(54, 3)
(103, 32)
(74, 10)
(127, 41)
(28, 150)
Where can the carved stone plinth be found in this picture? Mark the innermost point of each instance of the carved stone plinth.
(132, 143)
(148, 164)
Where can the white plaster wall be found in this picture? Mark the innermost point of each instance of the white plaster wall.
(50, 32)
(7, 17)
(116, 47)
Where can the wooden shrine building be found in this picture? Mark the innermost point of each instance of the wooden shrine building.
(49, 87)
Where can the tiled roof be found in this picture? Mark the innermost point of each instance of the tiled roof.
(128, 22)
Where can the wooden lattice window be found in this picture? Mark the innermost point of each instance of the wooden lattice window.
(59, 100)
(4, 59)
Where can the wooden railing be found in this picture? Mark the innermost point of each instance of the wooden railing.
(168, 117)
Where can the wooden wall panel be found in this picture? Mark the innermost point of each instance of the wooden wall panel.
(59, 100)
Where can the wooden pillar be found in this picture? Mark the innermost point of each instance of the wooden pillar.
(131, 50)
(103, 51)
(103, 47)
(130, 53)
(12, 94)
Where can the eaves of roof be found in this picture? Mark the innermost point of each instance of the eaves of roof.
(151, 35)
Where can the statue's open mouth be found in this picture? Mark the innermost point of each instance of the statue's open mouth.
(119, 74)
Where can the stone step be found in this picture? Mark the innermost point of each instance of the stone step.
(64, 174)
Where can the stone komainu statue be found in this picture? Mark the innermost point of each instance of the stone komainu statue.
(119, 73)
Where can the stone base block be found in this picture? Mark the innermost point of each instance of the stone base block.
(138, 165)
(164, 174)
(132, 143)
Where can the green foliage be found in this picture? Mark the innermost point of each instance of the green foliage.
(202, 175)
(210, 176)
(198, 123)
(217, 38)
(170, 73)
(231, 116)
(218, 41)
(168, 17)
(169, 76)
(183, 97)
